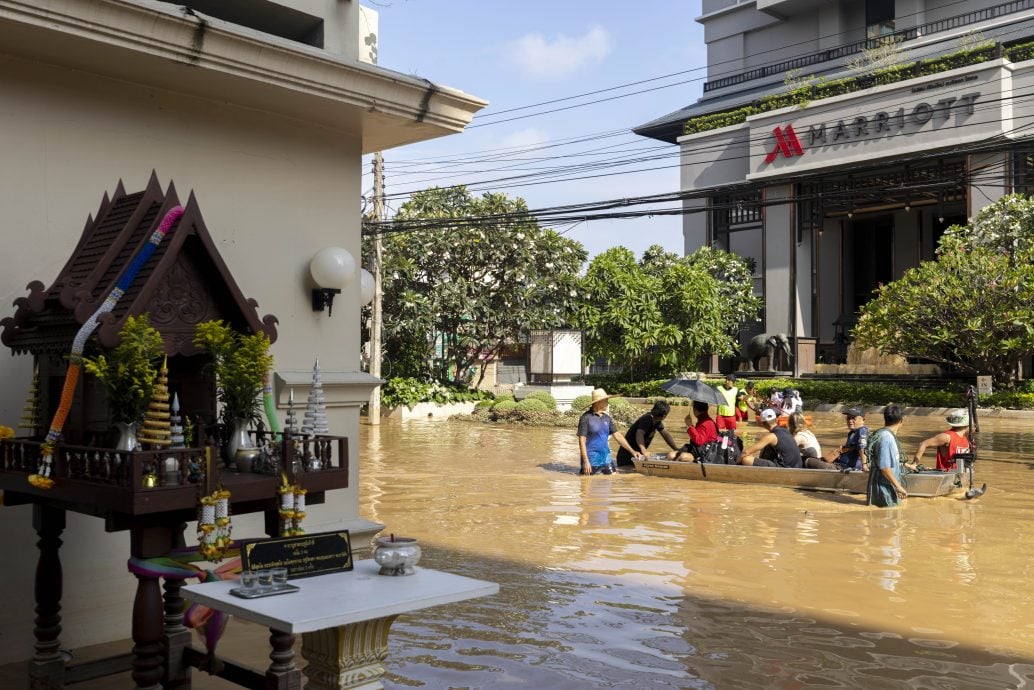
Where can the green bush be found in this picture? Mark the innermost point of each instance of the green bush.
(545, 397)
(532, 405)
(581, 403)
(1020, 52)
(504, 406)
(504, 397)
(410, 391)
(484, 405)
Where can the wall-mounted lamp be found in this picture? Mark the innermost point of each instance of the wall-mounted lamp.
(366, 287)
(332, 269)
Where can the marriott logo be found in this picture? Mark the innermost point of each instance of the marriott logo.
(786, 144)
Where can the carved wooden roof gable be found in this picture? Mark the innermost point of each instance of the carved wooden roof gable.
(184, 282)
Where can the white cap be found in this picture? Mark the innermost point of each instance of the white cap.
(768, 415)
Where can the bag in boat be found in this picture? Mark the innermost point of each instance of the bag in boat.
(725, 451)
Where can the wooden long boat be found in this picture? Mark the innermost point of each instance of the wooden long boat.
(922, 484)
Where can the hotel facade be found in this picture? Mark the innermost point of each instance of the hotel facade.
(836, 141)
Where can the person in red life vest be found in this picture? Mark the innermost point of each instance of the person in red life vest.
(704, 431)
(726, 414)
(948, 443)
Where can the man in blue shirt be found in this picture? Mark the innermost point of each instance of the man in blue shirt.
(594, 431)
(853, 455)
(885, 488)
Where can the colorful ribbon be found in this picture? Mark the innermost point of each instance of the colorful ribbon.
(178, 565)
(42, 478)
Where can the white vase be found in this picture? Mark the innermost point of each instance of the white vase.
(240, 439)
(126, 436)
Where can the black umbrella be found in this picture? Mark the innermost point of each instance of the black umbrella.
(694, 389)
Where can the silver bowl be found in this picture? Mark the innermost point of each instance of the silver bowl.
(397, 557)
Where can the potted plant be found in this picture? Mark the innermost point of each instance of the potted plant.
(128, 373)
(240, 362)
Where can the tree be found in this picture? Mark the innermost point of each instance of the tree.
(662, 314)
(972, 308)
(479, 275)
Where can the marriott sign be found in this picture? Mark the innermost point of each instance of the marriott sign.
(882, 123)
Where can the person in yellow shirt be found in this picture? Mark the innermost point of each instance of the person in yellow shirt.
(727, 412)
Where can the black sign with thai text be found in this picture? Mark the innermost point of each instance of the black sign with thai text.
(303, 556)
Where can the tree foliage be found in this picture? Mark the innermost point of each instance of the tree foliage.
(971, 309)
(459, 292)
(660, 315)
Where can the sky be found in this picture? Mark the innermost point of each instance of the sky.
(515, 54)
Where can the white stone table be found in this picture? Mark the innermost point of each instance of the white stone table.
(344, 618)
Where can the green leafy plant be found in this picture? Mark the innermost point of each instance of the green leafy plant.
(532, 405)
(129, 370)
(410, 391)
(546, 398)
(240, 363)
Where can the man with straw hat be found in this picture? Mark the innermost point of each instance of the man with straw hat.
(948, 443)
(595, 429)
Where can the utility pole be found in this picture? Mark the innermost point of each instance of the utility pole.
(374, 409)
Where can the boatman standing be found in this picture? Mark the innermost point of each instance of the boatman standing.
(595, 428)
(727, 412)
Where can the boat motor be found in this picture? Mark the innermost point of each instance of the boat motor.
(964, 461)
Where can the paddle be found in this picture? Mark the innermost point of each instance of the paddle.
(971, 398)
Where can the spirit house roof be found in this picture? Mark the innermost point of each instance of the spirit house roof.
(183, 283)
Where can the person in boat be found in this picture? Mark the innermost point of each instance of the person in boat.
(804, 438)
(885, 488)
(948, 443)
(792, 402)
(853, 455)
(702, 432)
(595, 429)
(746, 402)
(726, 414)
(775, 448)
(640, 434)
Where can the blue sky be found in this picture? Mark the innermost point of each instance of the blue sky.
(516, 54)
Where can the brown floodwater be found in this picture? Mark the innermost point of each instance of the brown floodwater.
(646, 582)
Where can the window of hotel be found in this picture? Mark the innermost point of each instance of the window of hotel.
(879, 18)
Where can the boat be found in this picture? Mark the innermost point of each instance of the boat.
(926, 484)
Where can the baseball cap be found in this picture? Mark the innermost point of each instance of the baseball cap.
(768, 415)
(854, 412)
(730, 376)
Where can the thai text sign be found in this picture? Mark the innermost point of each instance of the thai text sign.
(303, 556)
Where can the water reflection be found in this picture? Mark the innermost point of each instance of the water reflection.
(656, 583)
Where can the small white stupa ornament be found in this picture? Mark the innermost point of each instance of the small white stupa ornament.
(315, 421)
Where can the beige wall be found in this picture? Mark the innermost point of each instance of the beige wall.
(273, 192)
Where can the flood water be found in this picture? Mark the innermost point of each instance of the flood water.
(631, 581)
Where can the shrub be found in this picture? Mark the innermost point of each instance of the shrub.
(504, 397)
(484, 405)
(545, 397)
(504, 406)
(410, 391)
(581, 403)
(532, 405)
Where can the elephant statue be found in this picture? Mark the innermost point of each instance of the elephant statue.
(766, 344)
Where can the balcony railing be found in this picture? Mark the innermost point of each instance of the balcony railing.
(947, 24)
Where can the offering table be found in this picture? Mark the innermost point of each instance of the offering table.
(344, 619)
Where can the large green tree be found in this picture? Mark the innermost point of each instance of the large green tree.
(662, 314)
(479, 274)
(971, 309)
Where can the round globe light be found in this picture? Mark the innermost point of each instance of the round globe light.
(366, 286)
(332, 268)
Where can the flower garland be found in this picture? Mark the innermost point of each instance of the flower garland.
(213, 525)
(292, 509)
(42, 478)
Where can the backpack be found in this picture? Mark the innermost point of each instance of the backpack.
(725, 451)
